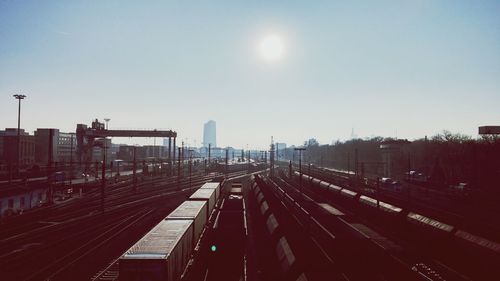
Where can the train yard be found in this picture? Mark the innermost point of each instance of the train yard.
(58, 238)
(244, 225)
(380, 240)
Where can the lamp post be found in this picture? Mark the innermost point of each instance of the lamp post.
(19, 98)
(105, 148)
(300, 149)
(107, 120)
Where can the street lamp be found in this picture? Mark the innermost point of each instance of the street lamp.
(300, 149)
(107, 120)
(19, 98)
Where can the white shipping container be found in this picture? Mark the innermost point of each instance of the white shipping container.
(205, 194)
(192, 210)
(162, 254)
(213, 185)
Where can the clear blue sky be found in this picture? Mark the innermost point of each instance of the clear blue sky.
(380, 67)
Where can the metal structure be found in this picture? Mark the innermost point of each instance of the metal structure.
(86, 137)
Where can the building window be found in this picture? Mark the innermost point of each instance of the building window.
(11, 204)
(22, 202)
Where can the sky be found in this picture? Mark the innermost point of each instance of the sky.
(401, 68)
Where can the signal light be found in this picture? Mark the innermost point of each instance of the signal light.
(213, 248)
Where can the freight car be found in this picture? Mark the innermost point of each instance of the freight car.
(160, 255)
(432, 231)
(228, 236)
(164, 252)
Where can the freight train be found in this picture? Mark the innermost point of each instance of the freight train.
(164, 252)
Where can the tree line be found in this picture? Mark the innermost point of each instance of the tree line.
(445, 159)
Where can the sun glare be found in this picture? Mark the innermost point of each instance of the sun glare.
(271, 48)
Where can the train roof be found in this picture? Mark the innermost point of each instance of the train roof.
(160, 241)
(212, 185)
(203, 193)
(330, 209)
(429, 222)
(188, 209)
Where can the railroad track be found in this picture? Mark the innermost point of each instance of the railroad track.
(110, 272)
(63, 263)
(91, 203)
(467, 215)
(53, 246)
(397, 257)
(419, 256)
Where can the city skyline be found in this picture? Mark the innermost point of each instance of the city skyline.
(318, 70)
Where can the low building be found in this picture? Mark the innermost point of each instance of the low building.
(155, 151)
(66, 145)
(8, 147)
(17, 200)
(126, 153)
(46, 149)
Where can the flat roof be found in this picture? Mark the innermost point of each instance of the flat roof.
(188, 209)
(160, 241)
(211, 185)
(203, 193)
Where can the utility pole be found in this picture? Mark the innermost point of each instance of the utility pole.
(209, 151)
(356, 162)
(271, 156)
(179, 169)
(49, 165)
(173, 159)
(103, 182)
(135, 169)
(181, 155)
(300, 149)
(227, 159)
(169, 156)
(71, 161)
(348, 164)
(190, 166)
(377, 192)
(19, 98)
(154, 158)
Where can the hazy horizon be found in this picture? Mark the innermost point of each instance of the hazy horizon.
(402, 69)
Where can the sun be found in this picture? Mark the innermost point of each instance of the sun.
(271, 48)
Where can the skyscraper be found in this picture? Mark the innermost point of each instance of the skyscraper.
(209, 134)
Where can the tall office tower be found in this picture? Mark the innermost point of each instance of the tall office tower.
(209, 134)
